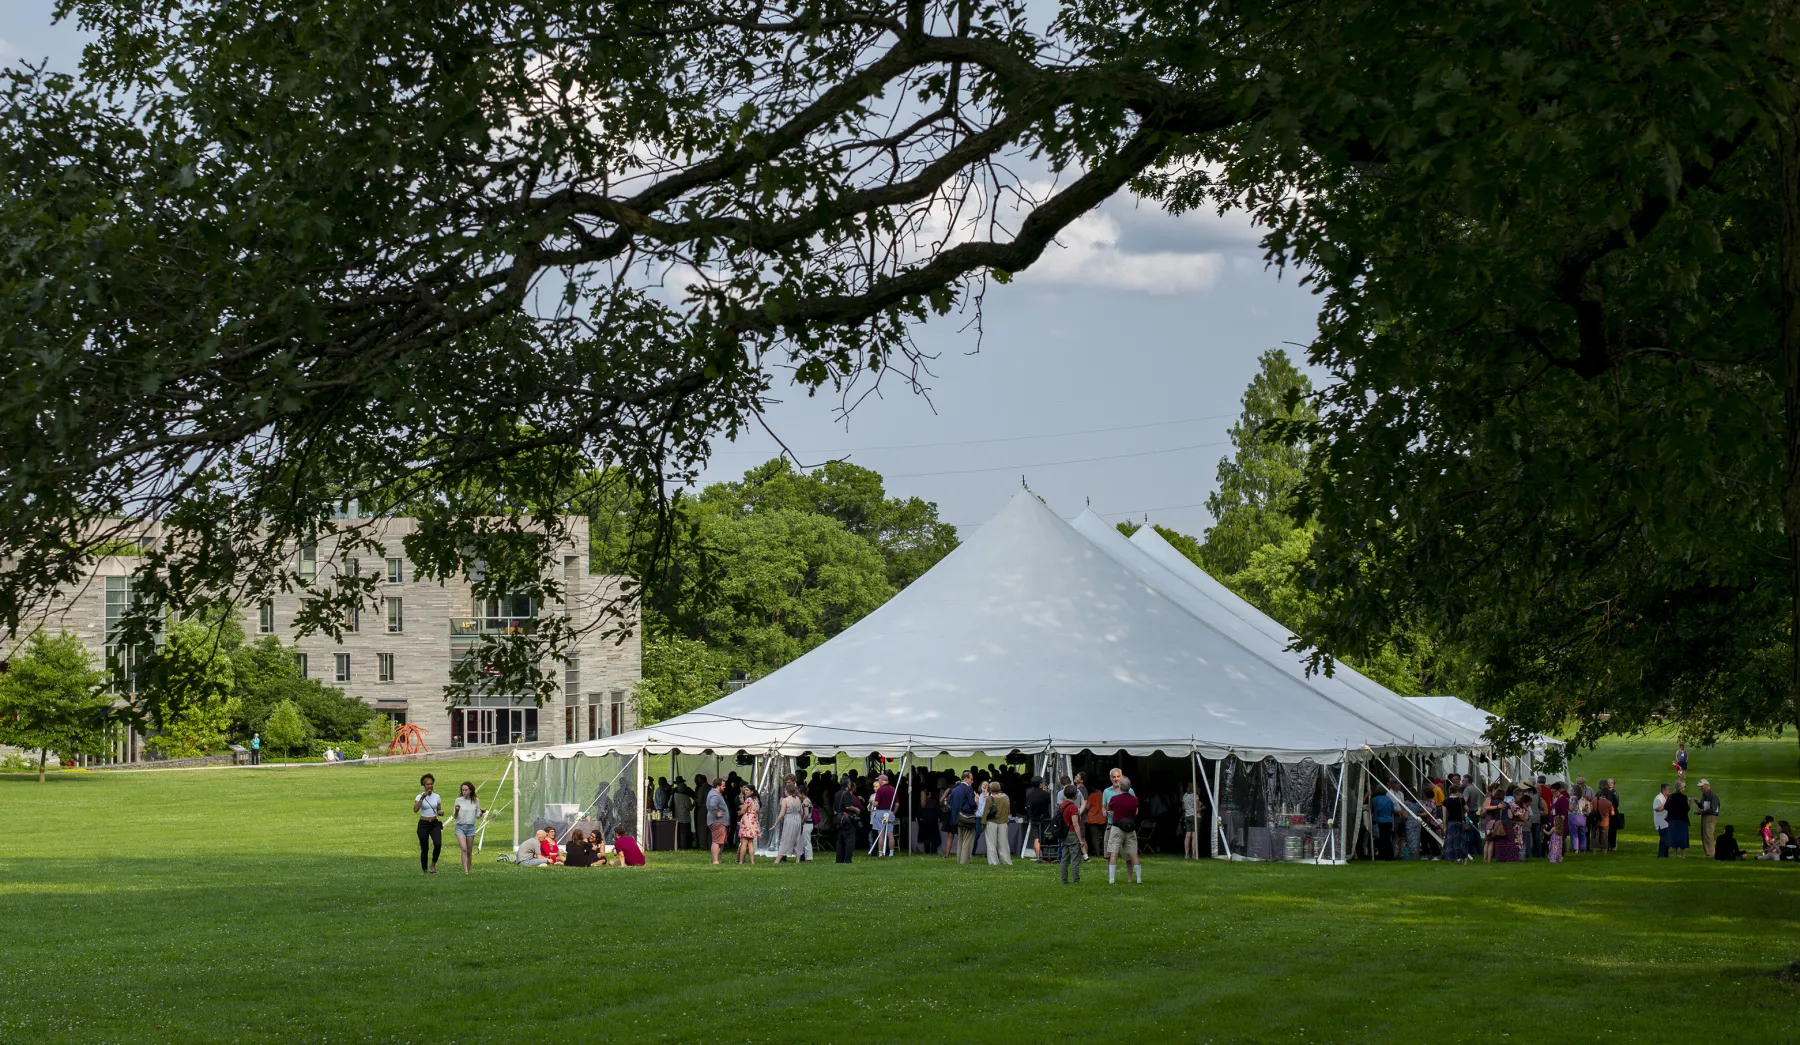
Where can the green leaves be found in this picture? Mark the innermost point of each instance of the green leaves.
(53, 697)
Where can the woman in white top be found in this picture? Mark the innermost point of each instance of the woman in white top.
(467, 814)
(1190, 822)
(429, 805)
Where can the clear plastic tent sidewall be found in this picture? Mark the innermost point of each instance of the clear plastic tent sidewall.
(587, 792)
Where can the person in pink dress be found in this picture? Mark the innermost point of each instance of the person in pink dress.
(1559, 821)
(749, 826)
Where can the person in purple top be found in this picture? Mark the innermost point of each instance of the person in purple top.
(882, 818)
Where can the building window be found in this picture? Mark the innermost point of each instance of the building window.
(265, 616)
(300, 659)
(121, 659)
(395, 620)
(593, 716)
(343, 667)
(356, 618)
(396, 570)
(572, 680)
(355, 567)
(618, 712)
(384, 667)
(309, 563)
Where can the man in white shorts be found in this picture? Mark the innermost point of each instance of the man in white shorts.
(881, 820)
(1121, 832)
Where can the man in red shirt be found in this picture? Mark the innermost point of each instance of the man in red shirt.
(882, 819)
(630, 854)
(1070, 813)
(1121, 833)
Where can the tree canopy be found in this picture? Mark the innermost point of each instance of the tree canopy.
(265, 258)
(53, 697)
(771, 566)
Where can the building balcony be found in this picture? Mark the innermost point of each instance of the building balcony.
(480, 627)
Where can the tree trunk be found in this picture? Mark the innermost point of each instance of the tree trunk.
(1788, 169)
(42, 755)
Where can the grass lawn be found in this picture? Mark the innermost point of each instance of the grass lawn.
(287, 903)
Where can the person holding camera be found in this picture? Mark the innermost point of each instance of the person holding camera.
(429, 805)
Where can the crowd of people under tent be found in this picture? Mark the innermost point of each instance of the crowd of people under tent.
(1003, 810)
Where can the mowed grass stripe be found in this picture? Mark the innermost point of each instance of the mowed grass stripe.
(287, 905)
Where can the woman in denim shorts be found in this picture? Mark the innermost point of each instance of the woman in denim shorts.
(467, 814)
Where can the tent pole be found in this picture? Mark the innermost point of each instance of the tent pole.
(1195, 826)
(905, 778)
(515, 804)
(481, 838)
(1338, 835)
(1435, 836)
(637, 815)
(1212, 788)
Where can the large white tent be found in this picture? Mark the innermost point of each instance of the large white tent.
(1467, 715)
(1149, 556)
(1030, 637)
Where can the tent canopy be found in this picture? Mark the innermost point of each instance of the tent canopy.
(1196, 591)
(1028, 637)
(1471, 717)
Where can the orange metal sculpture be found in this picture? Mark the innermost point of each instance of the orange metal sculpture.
(408, 740)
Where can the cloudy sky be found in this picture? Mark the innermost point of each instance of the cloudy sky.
(1108, 374)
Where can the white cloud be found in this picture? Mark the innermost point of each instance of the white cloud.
(1088, 254)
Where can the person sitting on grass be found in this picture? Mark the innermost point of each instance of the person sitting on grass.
(1726, 848)
(581, 851)
(552, 851)
(629, 853)
(1786, 845)
(531, 852)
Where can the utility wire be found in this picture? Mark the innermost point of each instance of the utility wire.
(975, 442)
(1050, 464)
(1141, 511)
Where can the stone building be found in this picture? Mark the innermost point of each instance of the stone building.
(398, 655)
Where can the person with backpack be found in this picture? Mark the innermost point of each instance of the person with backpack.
(1065, 833)
(846, 808)
(1121, 832)
(960, 806)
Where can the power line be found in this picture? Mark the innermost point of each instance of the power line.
(1051, 464)
(975, 442)
(1141, 511)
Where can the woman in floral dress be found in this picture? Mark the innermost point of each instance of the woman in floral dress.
(749, 825)
(1559, 822)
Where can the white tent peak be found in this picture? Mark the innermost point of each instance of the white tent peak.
(1026, 637)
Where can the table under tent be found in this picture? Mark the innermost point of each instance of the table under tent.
(1062, 642)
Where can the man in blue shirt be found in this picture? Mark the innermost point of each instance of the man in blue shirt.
(1112, 790)
(961, 801)
(1381, 808)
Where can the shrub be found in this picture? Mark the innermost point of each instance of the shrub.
(287, 729)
